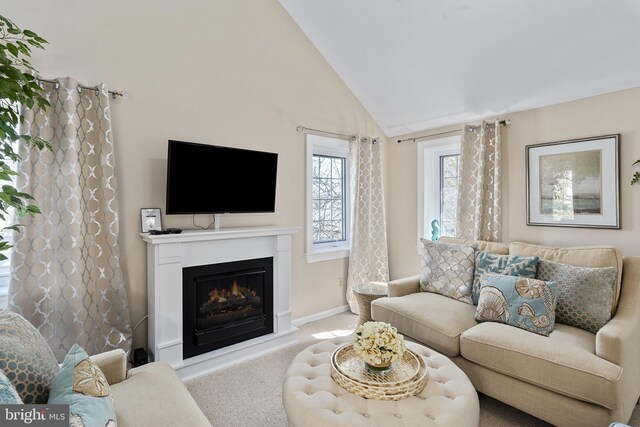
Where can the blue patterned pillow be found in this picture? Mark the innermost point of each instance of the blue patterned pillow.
(82, 385)
(508, 265)
(528, 304)
(8, 394)
(585, 294)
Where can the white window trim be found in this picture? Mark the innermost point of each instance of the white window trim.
(327, 146)
(429, 153)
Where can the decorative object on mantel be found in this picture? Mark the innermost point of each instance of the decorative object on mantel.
(407, 378)
(378, 344)
(151, 219)
(636, 176)
(574, 183)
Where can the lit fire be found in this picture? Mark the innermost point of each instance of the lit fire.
(236, 292)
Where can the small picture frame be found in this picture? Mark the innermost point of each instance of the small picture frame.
(151, 219)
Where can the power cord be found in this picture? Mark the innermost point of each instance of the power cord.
(204, 228)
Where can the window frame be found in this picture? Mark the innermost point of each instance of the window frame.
(429, 154)
(333, 147)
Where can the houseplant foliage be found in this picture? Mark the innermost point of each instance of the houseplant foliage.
(636, 176)
(18, 86)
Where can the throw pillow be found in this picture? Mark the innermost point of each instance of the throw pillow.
(508, 265)
(447, 269)
(526, 303)
(26, 358)
(82, 385)
(8, 393)
(585, 294)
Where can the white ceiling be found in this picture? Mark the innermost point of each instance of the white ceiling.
(421, 64)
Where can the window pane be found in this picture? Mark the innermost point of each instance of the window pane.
(448, 194)
(328, 196)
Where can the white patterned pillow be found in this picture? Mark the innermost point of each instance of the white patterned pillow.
(447, 269)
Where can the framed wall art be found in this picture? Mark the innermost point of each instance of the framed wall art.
(151, 219)
(574, 183)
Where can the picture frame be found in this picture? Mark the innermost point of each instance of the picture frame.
(574, 183)
(151, 219)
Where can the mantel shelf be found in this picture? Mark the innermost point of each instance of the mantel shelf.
(221, 234)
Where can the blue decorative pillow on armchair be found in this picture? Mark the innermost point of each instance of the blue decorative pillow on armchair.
(526, 303)
(509, 265)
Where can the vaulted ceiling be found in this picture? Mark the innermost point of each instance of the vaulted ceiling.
(421, 64)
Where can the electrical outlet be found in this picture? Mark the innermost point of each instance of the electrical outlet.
(340, 282)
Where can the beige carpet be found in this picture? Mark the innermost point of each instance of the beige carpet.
(250, 393)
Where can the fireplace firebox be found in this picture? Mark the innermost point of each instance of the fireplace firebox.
(226, 303)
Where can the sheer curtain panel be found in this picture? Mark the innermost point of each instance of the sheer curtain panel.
(66, 277)
(480, 183)
(368, 259)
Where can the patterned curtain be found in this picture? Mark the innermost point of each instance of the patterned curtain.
(480, 183)
(368, 260)
(66, 277)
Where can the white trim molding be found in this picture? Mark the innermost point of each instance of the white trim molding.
(319, 316)
(335, 147)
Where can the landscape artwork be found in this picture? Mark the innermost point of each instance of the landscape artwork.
(571, 184)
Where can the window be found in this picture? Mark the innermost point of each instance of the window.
(328, 205)
(438, 163)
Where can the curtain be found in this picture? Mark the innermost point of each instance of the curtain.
(368, 259)
(66, 277)
(480, 183)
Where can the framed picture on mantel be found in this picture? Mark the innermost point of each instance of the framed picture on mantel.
(574, 183)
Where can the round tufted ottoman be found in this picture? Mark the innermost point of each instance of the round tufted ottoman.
(312, 398)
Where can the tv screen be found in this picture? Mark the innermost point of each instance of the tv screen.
(211, 179)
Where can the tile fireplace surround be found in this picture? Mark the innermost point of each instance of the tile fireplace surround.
(168, 254)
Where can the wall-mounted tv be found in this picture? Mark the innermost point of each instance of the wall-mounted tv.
(209, 179)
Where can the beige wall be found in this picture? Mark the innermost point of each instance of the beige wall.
(227, 72)
(617, 112)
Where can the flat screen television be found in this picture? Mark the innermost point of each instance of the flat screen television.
(209, 179)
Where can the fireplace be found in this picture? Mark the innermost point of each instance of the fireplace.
(226, 303)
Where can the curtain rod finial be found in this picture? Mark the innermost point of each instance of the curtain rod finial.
(300, 128)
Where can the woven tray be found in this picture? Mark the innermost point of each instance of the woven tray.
(406, 378)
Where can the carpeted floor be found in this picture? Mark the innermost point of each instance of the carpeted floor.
(250, 393)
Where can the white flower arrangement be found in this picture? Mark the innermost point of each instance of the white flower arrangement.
(378, 343)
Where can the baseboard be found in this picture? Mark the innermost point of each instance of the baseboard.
(313, 317)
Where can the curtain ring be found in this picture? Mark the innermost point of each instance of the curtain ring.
(79, 89)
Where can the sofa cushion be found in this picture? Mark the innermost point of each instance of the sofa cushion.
(564, 362)
(26, 358)
(528, 304)
(8, 393)
(584, 293)
(483, 245)
(583, 256)
(509, 265)
(432, 319)
(82, 385)
(447, 269)
(153, 395)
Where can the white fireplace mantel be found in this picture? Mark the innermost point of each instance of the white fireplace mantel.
(168, 254)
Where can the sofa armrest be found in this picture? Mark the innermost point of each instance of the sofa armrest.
(113, 364)
(406, 286)
(619, 340)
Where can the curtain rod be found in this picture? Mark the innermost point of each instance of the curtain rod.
(374, 141)
(113, 93)
(415, 139)
(341, 135)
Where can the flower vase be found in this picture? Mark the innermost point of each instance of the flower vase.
(378, 369)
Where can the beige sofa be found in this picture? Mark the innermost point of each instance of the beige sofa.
(149, 395)
(571, 378)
